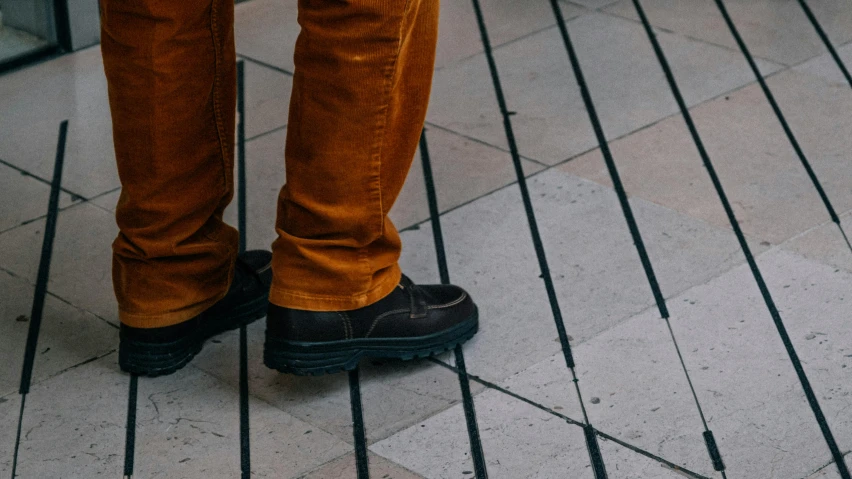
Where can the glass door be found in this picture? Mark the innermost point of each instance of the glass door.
(27, 31)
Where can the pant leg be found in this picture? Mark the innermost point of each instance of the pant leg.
(360, 92)
(170, 67)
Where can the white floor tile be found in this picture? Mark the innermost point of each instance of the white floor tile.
(551, 123)
(68, 336)
(188, 426)
(824, 244)
(462, 169)
(597, 274)
(506, 20)
(824, 66)
(37, 99)
(75, 422)
(395, 394)
(345, 467)
(742, 375)
(768, 187)
(81, 265)
(267, 99)
(266, 30)
(518, 440)
(776, 30)
(24, 198)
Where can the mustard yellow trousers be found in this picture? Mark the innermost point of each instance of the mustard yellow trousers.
(360, 91)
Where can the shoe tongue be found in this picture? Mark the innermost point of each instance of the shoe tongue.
(415, 299)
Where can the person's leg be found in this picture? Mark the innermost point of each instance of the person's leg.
(171, 74)
(360, 92)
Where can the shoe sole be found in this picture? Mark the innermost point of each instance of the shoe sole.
(318, 358)
(160, 359)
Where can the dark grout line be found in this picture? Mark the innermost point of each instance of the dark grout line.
(37, 312)
(259, 399)
(758, 277)
(504, 44)
(548, 167)
(586, 10)
(74, 196)
(264, 64)
(485, 143)
(245, 429)
(616, 138)
(74, 204)
(824, 466)
(592, 444)
(57, 297)
(265, 133)
(573, 422)
(476, 450)
(105, 193)
(688, 37)
(36, 382)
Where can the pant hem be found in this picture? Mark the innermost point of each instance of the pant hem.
(310, 302)
(170, 318)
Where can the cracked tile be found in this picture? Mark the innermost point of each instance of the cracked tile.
(623, 463)
(10, 406)
(551, 123)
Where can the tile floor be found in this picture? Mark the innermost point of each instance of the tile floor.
(633, 386)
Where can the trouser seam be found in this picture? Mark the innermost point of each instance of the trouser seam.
(387, 93)
(217, 86)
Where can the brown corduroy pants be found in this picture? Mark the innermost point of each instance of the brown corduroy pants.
(360, 91)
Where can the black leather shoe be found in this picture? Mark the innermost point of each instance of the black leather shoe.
(159, 351)
(413, 321)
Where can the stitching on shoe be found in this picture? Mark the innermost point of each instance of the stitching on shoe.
(347, 325)
(452, 303)
(381, 317)
(261, 270)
